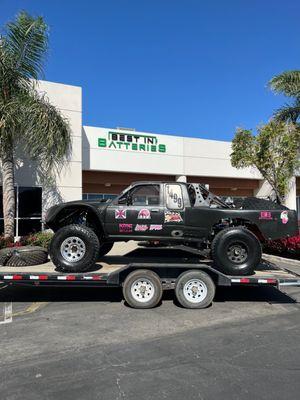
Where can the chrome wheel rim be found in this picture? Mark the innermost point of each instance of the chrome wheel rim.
(195, 290)
(73, 249)
(142, 290)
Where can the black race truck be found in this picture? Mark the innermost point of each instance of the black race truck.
(168, 213)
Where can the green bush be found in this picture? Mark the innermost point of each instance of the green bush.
(5, 242)
(42, 239)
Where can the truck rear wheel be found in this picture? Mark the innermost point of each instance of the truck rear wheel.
(142, 289)
(195, 289)
(236, 251)
(74, 248)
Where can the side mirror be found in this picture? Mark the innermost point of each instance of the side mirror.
(122, 200)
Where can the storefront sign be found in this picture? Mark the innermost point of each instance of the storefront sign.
(132, 141)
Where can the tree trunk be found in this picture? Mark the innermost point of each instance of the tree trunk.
(8, 195)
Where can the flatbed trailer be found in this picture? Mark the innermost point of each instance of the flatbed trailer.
(143, 279)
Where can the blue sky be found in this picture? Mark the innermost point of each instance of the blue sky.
(184, 67)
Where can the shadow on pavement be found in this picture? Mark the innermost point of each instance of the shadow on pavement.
(75, 294)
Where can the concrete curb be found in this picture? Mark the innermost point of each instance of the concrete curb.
(271, 257)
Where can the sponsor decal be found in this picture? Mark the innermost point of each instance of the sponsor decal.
(120, 214)
(141, 228)
(284, 216)
(144, 213)
(172, 216)
(132, 142)
(125, 228)
(155, 228)
(266, 215)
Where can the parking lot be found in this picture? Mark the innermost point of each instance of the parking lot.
(81, 343)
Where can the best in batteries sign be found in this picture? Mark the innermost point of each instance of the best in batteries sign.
(132, 142)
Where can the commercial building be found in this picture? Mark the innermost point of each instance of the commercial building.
(106, 160)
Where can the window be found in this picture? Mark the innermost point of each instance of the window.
(98, 196)
(174, 197)
(28, 210)
(145, 195)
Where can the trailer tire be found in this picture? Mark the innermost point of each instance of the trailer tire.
(236, 251)
(142, 289)
(83, 244)
(105, 248)
(195, 289)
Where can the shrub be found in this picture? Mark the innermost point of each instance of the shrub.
(281, 246)
(42, 239)
(34, 239)
(5, 242)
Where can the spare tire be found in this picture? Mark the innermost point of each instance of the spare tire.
(23, 256)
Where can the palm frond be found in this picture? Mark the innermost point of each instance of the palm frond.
(287, 83)
(46, 133)
(27, 41)
(288, 113)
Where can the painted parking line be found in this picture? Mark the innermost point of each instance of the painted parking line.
(7, 313)
(31, 309)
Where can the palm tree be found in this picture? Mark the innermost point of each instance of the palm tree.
(27, 120)
(288, 84)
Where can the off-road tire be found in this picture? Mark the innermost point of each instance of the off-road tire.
(23, 256)
(90, 241)
(204, 295)
(105, 248)
(226, 240)
(142, 275)
(5, 254)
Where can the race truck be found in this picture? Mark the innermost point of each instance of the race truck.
(168, 213)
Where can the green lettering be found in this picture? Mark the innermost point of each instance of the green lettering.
(162, 148)
(101, 142)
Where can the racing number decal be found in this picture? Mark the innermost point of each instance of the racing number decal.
(174, 197)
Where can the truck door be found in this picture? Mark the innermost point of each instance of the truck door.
(139, 212)
(174, 214)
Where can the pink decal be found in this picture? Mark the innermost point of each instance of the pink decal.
(155, 228)
(284, 216)
(266, 215)
(120, 214)
(171, 216)
(144, 213)
(141, 228)
(125, 228)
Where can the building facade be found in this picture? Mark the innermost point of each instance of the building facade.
(104, 161)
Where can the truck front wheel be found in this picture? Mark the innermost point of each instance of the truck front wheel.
(236, 251)
(74, 248)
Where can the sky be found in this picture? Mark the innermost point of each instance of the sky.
(184, 67)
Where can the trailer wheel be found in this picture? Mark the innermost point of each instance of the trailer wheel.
(195, 289)
(74, 248)
(142, 289)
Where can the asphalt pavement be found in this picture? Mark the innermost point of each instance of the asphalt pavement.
(79, 343)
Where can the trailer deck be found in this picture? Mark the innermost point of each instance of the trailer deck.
(168, 264)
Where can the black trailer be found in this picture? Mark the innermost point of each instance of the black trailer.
(143, 279)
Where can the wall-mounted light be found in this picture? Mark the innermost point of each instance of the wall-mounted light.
(107, 184)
